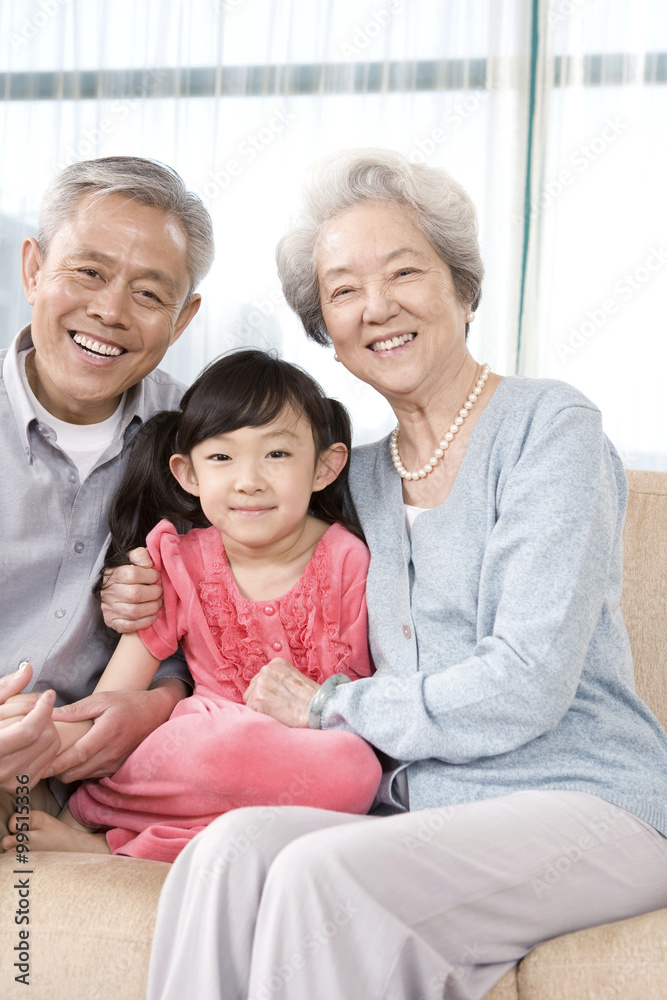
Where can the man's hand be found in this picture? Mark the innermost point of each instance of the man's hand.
(29, 741)
(282, 691)
(122, 720)
(132, 595)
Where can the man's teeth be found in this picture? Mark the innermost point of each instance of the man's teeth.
(92, 345)
(386, 345)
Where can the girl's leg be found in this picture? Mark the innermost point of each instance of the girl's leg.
(209, 761)
(426, 905)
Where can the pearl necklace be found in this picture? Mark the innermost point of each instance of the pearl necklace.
(447, 439)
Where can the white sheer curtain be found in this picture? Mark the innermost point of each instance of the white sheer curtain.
(596, 278)
(241, 95)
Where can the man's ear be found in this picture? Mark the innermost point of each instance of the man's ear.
(330, 465)
(184, 474)
(31, 265)
(187, 313)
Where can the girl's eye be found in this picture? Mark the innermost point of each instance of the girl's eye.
(278, 454)
(219, 458)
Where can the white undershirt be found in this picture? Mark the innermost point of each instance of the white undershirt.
(411, 514)
(83, 444)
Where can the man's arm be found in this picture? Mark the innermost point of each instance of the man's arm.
(122, 720)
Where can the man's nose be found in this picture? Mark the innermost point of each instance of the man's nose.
(110, 304)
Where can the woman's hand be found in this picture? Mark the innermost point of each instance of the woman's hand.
(282, 691)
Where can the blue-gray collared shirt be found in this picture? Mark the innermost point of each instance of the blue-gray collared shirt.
(54, 535)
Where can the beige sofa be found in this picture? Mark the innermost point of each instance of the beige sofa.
(91, 917)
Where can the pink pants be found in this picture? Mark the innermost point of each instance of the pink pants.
(212, 756)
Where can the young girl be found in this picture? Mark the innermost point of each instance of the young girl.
(259, 454)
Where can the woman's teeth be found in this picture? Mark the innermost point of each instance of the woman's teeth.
(386, 345)
(93, 347)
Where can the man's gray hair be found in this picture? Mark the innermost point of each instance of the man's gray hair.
(148, 182)
(439, 206)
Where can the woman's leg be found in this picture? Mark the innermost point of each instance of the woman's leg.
(424, 905)
(205, 925)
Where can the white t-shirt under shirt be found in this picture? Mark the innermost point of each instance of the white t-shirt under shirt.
(83, 444)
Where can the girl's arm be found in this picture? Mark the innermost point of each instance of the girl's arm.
(131, 668)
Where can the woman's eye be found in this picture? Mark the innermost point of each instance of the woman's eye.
(340, 292)
(405, 272)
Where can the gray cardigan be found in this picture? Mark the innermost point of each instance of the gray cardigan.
(502, 659)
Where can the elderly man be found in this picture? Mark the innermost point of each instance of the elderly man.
(111, 277)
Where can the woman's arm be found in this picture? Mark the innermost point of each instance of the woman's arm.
(549, 572)
(131, 668)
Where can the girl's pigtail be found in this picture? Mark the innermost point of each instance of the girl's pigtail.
(334, 503)
(149, 492)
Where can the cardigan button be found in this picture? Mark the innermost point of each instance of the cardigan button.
(269, 609)
(407, 632)
(277, 646)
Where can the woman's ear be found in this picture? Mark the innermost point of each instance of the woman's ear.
(330, 465)
(183, 472)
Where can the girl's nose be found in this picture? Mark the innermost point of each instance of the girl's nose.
(249, 478)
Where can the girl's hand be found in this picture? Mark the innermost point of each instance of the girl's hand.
(282, 691)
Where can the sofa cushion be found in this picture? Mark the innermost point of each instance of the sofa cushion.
(626, 960)
(91, 923)
(645, 586)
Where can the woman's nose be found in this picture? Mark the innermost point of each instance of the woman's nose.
(380, 305)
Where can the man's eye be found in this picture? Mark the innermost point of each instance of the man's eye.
(145, 293)
(89, 271)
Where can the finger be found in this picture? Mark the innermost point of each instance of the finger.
(142, 585)
(140, 557)
(13, 683)
(87, 708)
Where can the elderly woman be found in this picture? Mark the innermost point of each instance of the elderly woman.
(525, 784)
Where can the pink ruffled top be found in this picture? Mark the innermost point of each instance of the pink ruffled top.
(319, 625)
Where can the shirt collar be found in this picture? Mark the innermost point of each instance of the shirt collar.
(21, 404)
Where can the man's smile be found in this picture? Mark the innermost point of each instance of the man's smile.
(94, 347)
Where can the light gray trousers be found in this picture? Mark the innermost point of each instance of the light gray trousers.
(290, 903)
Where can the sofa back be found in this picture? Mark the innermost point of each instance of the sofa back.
(644, 602)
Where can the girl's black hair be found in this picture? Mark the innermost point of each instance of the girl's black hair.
(243, 389)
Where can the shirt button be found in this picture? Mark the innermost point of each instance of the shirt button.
(72, 477)
(79, 547)
(407, 632)
(60, 613)
(269, 609)
(277, 646)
